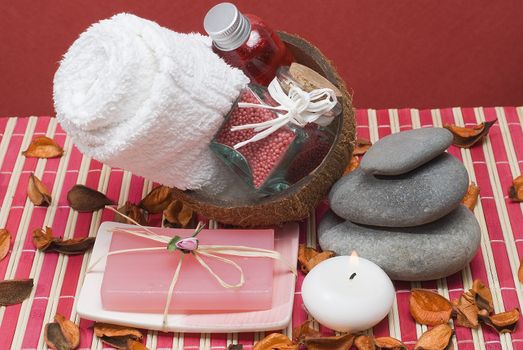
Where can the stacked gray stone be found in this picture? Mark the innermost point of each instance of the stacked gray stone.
(401, 208)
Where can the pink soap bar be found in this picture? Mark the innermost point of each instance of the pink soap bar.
(138, 281)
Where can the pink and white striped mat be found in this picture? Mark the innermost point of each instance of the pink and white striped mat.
(492, 165)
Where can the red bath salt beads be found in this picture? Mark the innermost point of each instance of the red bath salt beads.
(263, 156)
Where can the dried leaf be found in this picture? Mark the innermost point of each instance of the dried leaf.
(235, 347)
(471, 197)
(62, 334)
(85, 199)
(340, 342)
(5, 242)
(43, 147)
(482, 296)
(44, 241)
(275, 341)
(520, 270)
(515, 192)
(310, 257)
(430, 308)
(15, 291)
(504, 322)
(466, 311)
(72, 246)
(466, 137)
(361, 147)
(354, 163)
(157, 200)
(132, 211)
(438, 338)
(119, 337)
(389, 343)
(364, 342)
(178, 214)
(37, 192)
(303, 331)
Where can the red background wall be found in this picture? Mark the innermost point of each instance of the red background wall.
(401, 53)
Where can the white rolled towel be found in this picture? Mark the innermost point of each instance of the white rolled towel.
(141, 97)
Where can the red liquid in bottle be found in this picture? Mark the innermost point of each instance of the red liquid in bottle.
(246, 42)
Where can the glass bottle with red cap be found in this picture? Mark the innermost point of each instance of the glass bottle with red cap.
(246, 42)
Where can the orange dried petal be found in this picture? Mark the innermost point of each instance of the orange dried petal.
(42, 238)
(361, 146)
(310, 257)
(515, 192)
(504, 322)
(273, 341)
(466, 137)
(430, 308)
(43, 147)
(482, 296)
(389, 343)
(438, 338)
(5, 242)
(38, 192)
(157, 200)
(354, 163)
(471, 197)
(364, 342)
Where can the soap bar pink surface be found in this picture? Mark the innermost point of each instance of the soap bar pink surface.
(138, 281)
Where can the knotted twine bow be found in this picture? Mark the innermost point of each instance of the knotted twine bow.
(190, 245)
(302, 108)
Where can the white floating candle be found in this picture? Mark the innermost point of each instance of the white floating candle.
(348, 293)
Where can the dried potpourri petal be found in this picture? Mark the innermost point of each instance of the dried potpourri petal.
(361, 147)
(354, 163)
(72, 246)
(178, 214)
(43, 147)
(119, 337)
(304, 330)
(157, 200)
(339, 342)
(466, 311)
(471, 197)
(275, 341)
(364, 342)
(515, 192)
(235, 347)
(389, 343)
(466, 137)
(132, 211)
(62, 334)
(438, 338)
(44, 241)
(520, 271)
(37, 192)
(5, 242)
(85, 199)
(482, 296)
(310, 257)
(15, 291)
(504, 322)
(428, 307)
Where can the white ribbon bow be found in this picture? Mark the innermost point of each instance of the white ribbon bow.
(302, 108)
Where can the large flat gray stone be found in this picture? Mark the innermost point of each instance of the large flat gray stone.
(402, 152)
(416, 198)
(419, 253)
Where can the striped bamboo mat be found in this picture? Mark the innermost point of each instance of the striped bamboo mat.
(58, 278)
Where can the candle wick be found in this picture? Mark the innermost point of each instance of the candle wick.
(352, 276)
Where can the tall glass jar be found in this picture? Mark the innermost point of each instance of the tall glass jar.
(275, 162)
(246, 42)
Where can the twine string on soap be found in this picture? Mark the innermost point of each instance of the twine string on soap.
(210, 251)
(300, 108)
